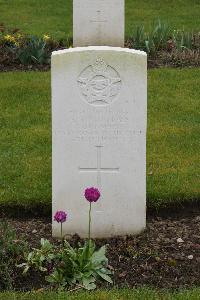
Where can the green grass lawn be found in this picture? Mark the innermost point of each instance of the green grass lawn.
(172, 146)
(55, 17)
(173, 141)
(124, 294)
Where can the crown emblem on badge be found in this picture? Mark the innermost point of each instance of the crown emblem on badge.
(99, 66)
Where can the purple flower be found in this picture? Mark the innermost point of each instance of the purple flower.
(60, 216)
(92, 194)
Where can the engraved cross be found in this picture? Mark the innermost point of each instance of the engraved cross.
(98, 169)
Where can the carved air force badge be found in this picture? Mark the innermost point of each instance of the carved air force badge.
(99, 83)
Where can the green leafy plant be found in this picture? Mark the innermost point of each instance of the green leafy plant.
(39, 258)
(139, 38)
(65, 266)
(153, 41)
(162, 38)
(81, 266)
(19, 48)
(33, 51)
(160, 34)
(183, 40)
(11, 253)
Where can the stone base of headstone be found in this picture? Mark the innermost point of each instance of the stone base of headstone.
(99, 107)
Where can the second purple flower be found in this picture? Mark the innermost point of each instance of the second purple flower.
(60, 216)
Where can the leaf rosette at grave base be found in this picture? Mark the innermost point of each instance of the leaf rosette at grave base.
(99, 83)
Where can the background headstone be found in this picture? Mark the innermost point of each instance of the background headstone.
(98, 23)
(99, 138)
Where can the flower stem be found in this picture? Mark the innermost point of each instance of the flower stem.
(62, 239)
(61, 230)
(89, 221)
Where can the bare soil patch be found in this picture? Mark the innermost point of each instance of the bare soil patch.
(165, 255)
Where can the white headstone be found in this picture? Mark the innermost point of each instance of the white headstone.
(99, 138)
(98, 23)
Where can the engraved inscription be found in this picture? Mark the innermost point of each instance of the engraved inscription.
(99, 127)
(98, 23)
(99, 83)
(98, 19)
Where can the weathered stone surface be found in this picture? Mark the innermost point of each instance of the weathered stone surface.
(98, 23)
(99, 106)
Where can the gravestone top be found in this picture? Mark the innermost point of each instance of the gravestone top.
(98, 23)
(97, 48)
(99, 107)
